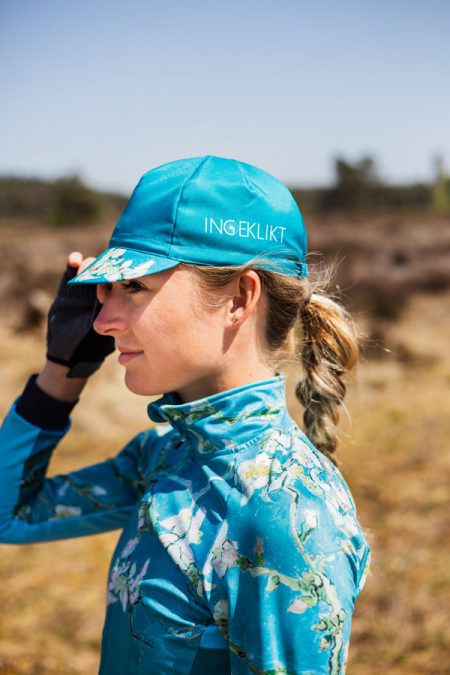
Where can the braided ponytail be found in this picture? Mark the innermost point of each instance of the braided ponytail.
(329, 349)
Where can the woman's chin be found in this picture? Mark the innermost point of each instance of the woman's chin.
(138, 385)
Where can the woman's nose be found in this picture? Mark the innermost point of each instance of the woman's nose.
(110, 320)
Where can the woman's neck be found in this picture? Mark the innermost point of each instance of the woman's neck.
(224, 380)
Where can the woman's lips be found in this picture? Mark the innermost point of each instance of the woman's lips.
(125, 357)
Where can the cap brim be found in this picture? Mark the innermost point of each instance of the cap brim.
(120, 264)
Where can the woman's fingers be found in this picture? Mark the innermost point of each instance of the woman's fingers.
(85, 263)
(75, 259)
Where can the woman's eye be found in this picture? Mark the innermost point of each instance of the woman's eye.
(133, 286)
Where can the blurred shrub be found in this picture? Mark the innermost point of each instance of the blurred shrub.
(355, 184)
(399, 198)
(25, 197)
(66, 200)
(73, 202)
(359, 188)
(441, 195)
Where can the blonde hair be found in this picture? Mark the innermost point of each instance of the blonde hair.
(319, 333)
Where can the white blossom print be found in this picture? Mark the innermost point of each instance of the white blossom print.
(63, 511)
(225, 556)
(177, 534)
(124, 582)
(114, 266)
(129, 547)
(257, 473)
(220, 616)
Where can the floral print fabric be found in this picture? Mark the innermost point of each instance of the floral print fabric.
(240, 550)
(116, 264)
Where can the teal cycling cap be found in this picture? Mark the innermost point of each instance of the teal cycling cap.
(204, 211)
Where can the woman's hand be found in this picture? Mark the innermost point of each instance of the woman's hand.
(71, 339)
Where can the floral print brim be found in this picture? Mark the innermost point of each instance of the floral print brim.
(119, 264)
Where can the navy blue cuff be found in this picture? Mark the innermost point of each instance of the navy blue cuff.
(41, 409)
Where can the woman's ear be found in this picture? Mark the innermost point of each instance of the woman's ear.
(246, 292)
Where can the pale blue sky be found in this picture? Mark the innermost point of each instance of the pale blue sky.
(112, 88)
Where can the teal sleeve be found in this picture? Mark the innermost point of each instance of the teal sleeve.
(34, 508)
(285, 571)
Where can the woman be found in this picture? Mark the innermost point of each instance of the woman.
(241, 550)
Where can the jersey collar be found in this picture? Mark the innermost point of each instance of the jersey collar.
(226, 419)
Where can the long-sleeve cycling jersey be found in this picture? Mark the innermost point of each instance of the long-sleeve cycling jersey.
(241, 551)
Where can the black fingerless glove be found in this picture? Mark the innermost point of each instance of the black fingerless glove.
(71, 339)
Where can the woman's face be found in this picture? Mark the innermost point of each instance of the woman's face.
(179, 339)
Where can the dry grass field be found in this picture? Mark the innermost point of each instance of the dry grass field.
(394, 439)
